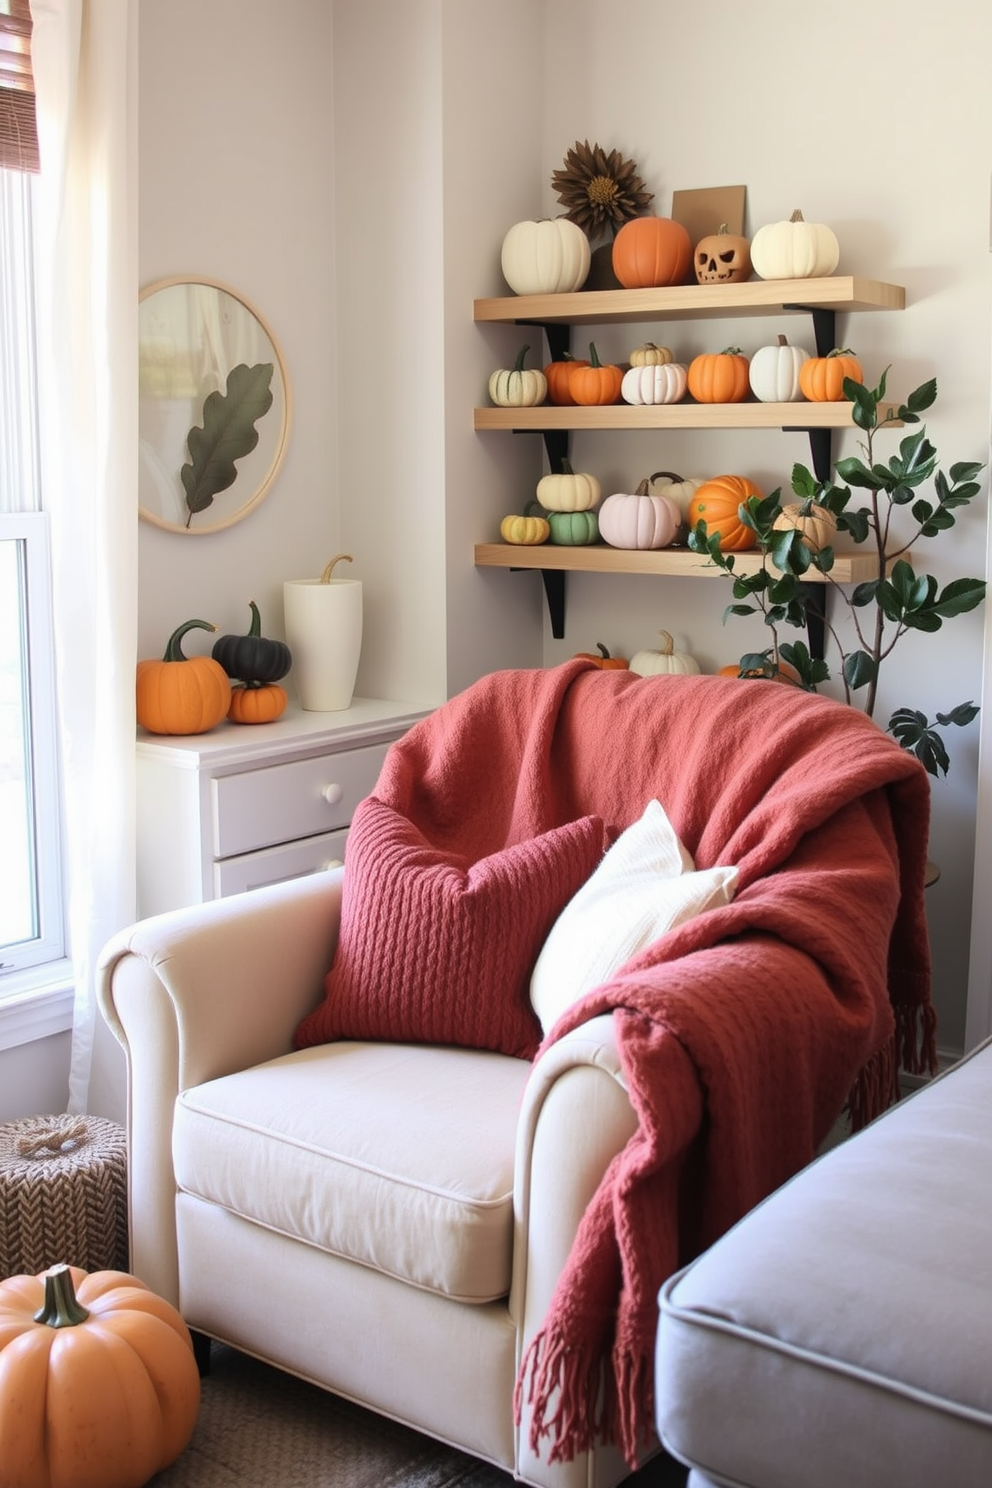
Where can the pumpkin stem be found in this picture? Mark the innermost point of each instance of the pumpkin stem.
(840, 351)
(797, 216)
(325, 577)
(566, 468)
(642, 489)
(667, 643)
(255, 628)
(669, 475)
(602, 651)
(518, 365)
(594, 355)
(174, 651)
(61, 1309)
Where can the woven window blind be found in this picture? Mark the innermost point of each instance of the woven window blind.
(18, 130)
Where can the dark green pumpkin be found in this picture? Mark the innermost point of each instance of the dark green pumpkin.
(253, 657)
(574, 529)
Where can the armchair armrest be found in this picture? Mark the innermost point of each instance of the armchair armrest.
(195, 994)
(575, 1117)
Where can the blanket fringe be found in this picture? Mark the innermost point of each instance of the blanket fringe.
(912, 1047)
(563, 1386)
(635, 1400)
(916, 1038)
(876, 1087)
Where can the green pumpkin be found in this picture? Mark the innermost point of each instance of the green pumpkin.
(253, 658)
(574, 529)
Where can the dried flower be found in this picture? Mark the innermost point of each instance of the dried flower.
(599, 192)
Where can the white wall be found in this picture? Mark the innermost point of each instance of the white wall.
(236, 184)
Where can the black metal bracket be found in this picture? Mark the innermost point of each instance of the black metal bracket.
(824, 326)
(554, 593)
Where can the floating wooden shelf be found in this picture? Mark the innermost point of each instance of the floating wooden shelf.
(849, 568)
(798, 416)
(840, 292)
(821, 299)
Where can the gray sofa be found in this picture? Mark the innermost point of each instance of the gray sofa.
(841, 1333)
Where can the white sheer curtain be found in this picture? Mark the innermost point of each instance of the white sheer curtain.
(84, 55)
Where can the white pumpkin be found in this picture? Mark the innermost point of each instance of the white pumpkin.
(794, 250)
(650, 355)
(547, 257)
(681, 491)
(568, 490)
(664, 663)
(774, 372)
(817, 524)
(654, 383)
(518, 386)
(638, 519)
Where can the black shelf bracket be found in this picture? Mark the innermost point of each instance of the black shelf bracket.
(824, 326)
(554, 593)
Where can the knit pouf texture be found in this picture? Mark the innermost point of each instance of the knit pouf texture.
(63, 1194)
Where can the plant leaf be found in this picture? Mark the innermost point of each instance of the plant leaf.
(859, 669)
(227, 434)
(962, 714)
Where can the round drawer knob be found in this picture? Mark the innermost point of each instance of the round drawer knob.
(332, 794)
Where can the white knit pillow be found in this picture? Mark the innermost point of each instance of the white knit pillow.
(645, 885)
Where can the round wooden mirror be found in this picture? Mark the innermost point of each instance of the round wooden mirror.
(214, 406)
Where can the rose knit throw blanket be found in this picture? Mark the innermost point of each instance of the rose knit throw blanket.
(741, 1032)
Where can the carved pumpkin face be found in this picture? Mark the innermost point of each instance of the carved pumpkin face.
(722, 258)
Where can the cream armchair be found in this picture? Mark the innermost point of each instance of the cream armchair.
(395, 1214)
(387, 1222)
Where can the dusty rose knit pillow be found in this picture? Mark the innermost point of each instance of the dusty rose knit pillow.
(434, 949)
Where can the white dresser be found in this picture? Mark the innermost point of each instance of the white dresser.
(252, 804)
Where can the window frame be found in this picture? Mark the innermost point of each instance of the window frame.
(30, 531)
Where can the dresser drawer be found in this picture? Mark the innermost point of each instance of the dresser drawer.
(277, 864)
(259, 808)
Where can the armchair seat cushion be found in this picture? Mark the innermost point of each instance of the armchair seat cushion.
(417, 1183)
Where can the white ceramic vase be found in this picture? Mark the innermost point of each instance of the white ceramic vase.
(324, 633)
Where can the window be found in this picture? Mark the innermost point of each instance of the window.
(31, 910)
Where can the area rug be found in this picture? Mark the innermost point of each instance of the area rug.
(260, 1428)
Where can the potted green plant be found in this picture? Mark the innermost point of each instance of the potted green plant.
(795, 539)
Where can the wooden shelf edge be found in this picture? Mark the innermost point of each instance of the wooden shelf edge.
(790, 416)
(849, 568)
(842, 292)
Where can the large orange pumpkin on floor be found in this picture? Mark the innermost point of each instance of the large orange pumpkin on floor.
(650, 252)
(98, 1384)
(717, 503)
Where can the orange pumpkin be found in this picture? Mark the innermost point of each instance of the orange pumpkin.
(603, 659)
(557, 375)
(717, 502)
(651, 251)
(98, 1383)
(719, 376)
(595, 382)
(821, 379)
(181, 694)
(785, 673)
(262, 702)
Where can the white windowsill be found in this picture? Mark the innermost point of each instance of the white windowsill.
(36, 1004)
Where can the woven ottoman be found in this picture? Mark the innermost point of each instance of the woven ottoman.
(63, 1194)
